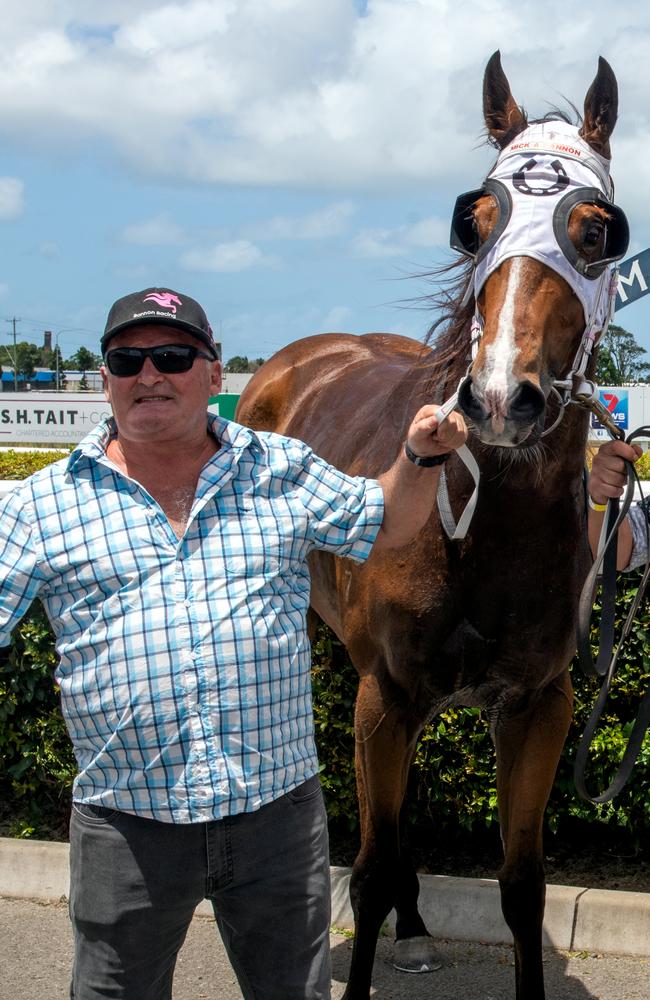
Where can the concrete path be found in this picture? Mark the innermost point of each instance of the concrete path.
(36, 951)
(598, 941)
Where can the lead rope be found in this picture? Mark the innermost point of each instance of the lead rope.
(456, 530)
(607, 659)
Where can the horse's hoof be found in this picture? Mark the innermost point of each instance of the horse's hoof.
(416, 954)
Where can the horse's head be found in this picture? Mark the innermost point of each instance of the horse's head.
(543, 234)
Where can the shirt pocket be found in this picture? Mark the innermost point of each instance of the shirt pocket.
(264, 537)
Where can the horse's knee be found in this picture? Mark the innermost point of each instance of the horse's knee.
(523, 894)
(373, 888)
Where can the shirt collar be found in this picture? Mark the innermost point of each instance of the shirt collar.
(227, 432)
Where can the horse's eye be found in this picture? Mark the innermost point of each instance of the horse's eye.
(593, 234)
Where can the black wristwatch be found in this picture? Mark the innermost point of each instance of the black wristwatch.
(425, 461)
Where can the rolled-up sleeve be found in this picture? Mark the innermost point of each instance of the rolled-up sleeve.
(345, 512)
(20, 577)
(638, 516)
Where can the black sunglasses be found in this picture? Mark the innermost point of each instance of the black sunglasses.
(170, 359)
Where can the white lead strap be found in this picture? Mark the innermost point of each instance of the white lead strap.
(456, 530)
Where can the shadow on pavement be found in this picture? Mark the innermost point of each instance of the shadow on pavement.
(475, 970)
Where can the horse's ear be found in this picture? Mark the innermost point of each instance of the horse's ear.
(503, 116)
(601, 109)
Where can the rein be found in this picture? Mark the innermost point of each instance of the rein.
(604, 566)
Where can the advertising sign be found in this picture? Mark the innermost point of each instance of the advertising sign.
(633, 279)
(629, 407)
(616, 401)
(54, 418)
(50, 417)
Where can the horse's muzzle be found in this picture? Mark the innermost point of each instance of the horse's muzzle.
(507, 426)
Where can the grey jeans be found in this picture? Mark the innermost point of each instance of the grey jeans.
(134, 885)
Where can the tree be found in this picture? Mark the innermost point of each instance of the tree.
(620, 358)
(27, 357)
(237, 365)
(241, 365)
(84, 360)
(606, 371)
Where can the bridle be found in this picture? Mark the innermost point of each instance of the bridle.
(536, 182)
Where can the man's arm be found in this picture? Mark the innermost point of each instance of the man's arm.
(410, 489)
(608, 479)
(20, 581)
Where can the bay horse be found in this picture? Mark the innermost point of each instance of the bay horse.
(488, 620)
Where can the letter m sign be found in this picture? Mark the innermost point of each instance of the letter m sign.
(633, 279)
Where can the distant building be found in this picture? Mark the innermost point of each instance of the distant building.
(7, 382)
(236, 382)
(44, 380)
(73, 379)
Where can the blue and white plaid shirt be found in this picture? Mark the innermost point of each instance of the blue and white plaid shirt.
(184, 663)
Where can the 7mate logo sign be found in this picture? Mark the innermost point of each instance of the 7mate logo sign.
(617, 402)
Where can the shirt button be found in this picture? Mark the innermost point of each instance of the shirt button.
(188, 604)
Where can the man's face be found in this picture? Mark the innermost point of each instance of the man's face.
(152, 406)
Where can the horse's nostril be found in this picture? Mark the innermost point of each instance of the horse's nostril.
(468, 402)
(527, 404)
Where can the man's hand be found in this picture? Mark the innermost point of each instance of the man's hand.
(426, 438)
(607, 480)
(410, 489)
(608, 476)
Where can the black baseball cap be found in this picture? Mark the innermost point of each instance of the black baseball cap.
(159, 305)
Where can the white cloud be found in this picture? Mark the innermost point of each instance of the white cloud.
(48, 249)
(377, 243)
(158, 231)
(238, 255)
(427, 233)
(299, 93)
(336, 320)
(319, 225)
(399, 241)
(11, 197)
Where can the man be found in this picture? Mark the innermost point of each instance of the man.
(608, 479)
(169, 552)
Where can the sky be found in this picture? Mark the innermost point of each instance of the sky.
(291, 164)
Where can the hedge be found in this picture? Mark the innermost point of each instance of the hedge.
(20, 464)
(452, 787)
(453, 778)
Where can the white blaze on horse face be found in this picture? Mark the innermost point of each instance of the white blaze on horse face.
(500, 380)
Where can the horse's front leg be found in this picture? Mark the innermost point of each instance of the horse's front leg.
(528, 751)
(386, 735)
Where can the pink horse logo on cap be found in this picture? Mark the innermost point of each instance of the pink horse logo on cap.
(167, 300)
